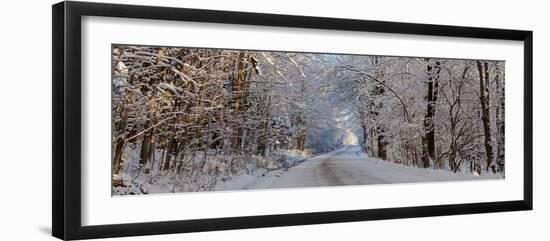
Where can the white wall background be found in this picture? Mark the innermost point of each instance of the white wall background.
(25, 120)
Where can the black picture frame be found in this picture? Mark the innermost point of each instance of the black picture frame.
(67, 136)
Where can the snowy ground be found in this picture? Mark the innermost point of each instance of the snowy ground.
(345, 166)
(348, 165)
(201, 172)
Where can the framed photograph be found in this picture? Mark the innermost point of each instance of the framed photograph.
(171, 120)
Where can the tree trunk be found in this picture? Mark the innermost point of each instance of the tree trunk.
(217, 134)
(428, 141)
(237, 89)
(117, 160)
(263, 145)
(301, 139)
(146, 143)
(364, 126)
(499, 116)
(170, 139)
(152, 148)
(198, 120)
(372, 141)
(485, 118)
(120, 141)
(381, 140)
(380, 90)
(168, 155)
(365, 137)
(300, 133)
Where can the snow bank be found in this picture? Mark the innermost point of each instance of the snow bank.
(200, 171)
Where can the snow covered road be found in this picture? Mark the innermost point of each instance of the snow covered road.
(347, 166)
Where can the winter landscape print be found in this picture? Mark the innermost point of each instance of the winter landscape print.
(202, 119)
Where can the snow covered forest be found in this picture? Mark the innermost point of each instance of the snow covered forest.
(196, 119)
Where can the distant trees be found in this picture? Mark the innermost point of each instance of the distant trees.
(427, 112)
